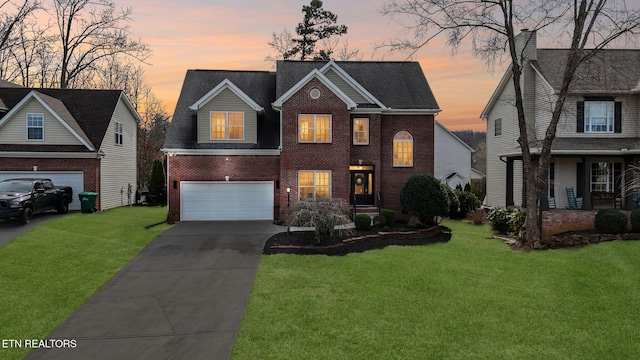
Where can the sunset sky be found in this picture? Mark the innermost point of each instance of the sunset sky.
(233, 35)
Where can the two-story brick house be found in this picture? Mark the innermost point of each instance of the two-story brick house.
(598, 135)
(249, 144)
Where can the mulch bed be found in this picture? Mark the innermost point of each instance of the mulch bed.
(304, 242)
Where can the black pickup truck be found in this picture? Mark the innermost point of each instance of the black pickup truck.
(22, 198)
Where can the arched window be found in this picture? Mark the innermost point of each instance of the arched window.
(402, 149)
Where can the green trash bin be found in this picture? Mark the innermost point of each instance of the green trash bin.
(88, 201)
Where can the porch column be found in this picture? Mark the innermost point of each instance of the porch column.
(509, 190)
(586, 196)
(628, 194)
(544, 205)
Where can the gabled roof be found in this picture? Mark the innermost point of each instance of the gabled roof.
(315, 74)
(259, 86)
(396, 84)
(610, 70)
(224, 85)
(454, 136)
(92, 110)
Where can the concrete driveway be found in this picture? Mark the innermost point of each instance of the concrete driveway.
(182, 297)
(11, 229)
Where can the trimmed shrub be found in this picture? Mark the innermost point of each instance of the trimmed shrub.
(611, 221)
(499, 218)
(389, 216)
(423, 196)
(468, 203)
(454, 204)
(362, 221)
(635, 220)
(517, 219)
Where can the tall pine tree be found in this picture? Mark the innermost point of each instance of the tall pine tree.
(318, 24)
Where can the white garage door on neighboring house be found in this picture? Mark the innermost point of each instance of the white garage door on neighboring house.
(233, 200)
(75, 179)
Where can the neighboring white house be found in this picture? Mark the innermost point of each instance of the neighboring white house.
(597, 135)
(452, 158)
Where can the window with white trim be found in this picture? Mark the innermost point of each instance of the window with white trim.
(119, 133)
(227, 125)
(605, 176)
(497, 129)
(314, 128)
(403, 149)
(360, 131)
(598, 116)
(314, 184)
(35, 126)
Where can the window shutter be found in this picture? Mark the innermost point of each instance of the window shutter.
(580, 118)
(617, 117)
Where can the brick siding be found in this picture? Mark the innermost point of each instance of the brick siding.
(215, 168)
(89, 167)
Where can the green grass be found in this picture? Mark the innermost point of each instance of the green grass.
(49, 271)
(470, 298)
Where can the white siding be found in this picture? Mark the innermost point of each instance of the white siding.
(451, 156)
(227, 101)
(567, 126)
(14, 131)
(118, 168)
(504, 109)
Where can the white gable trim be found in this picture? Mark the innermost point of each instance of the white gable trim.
(129, 105)
(535, 68)
(226, 84)
(331, 65)
(315, 74)
(496, 93)
(34, 95)
(454, 136)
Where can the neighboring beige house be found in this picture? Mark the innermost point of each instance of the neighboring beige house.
(598, 136)
(86, 139)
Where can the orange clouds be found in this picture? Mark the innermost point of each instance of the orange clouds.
(193, 34)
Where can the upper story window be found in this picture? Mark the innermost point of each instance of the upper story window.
(598, 116)
(227, 125)
(361, 131)
(497, 131)
(314, 184)
(314, 128)
(403, 149)
(119, 133)
(35, 126)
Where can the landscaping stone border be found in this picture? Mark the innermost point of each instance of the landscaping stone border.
(572, 240)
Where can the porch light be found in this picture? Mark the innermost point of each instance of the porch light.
(288, 196)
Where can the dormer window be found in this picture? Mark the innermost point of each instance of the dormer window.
(227, 125)
(35, 126)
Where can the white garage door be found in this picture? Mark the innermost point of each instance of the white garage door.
(75, 179)
(234, 200)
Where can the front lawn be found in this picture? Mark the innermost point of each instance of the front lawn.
(49, 271)
(470, 298)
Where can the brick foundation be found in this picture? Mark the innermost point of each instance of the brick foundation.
(558, 221)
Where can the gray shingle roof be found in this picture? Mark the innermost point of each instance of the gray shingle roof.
(258, 85)
(609, 70)
(91, 109)
(397, 84)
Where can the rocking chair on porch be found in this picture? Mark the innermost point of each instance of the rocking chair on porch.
(573, 202)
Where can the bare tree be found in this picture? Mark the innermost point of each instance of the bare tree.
(12, 14)
(281, 43)
(90, 31)
(489, 25)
